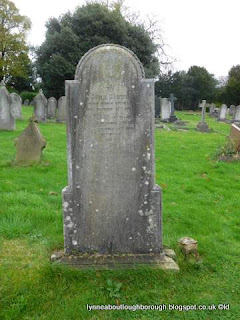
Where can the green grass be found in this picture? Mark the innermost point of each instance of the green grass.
(200, 200)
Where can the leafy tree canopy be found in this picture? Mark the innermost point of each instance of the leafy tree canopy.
(69, 37)
(14, 60)
(231, 92)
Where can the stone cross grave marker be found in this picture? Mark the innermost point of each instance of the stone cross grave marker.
(40, 106)
(29, 144)
(51, 108)
(16, 105)
(7, 120)
(61, 110)
(165, 109)
(172, 100)
(202, 125)
(112, 203)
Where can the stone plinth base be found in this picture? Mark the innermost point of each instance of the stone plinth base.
(115, 261)
(173, 118)
(203, 127)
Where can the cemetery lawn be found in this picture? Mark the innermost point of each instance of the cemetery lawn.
(200, 200)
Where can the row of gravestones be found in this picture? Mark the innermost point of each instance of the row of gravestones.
(49, 108)
(222, 112)
(10, 108)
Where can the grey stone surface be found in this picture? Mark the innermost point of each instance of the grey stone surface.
(111, 204)
(40, 107)
(26, 102)
(237, 114)
(212, 108)
(157, 107)
(16, 106)
(29, 144)
(7, 120)
(231, 110)
(222, 112)
(51, 108)
(172, 100)
(61, 110)
(165, 109)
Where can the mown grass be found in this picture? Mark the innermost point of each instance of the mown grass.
(200, 200)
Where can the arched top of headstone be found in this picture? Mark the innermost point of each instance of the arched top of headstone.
(108, 51)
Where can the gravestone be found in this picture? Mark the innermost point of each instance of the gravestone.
(111, 204)
(235, 137)
(237, 114)
(51, 108)
(61, 110)
(231, 110)
(165, 109)
(26, 102)
(157, 107)
(40, 106)
(29, 144)
(16, 106)
(222, 113)
(172, 100)
(202, 126)
(212, 108)
(7, 120)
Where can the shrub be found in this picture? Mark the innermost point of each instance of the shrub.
(28, 95)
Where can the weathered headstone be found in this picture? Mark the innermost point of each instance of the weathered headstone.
(222, 113)
(26, 102)
(212, 108)
(61, 110)
(202, 125)
(40, 107)
(29, 144)
(111, 203)
(231, 110)
(7, 120)
(235, 137)
(51, 108)
(157, 107)
(165, 109)
(16, 106)
(172, 100)
(237, 114)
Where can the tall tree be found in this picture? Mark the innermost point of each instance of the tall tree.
(231, 91)
(14, 60)
(72, 35)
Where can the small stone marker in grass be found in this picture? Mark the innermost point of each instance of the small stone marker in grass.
(29, 144)
(7, 120)
(112, 205)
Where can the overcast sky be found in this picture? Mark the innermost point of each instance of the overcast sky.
(198, 32)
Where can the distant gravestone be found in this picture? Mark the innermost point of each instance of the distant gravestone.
(26, 102)
(61, 110)
(212, 108)
(231, 110)
(29, 144)
(51, 108)
(157, 107)
(237, 114)
(202, 126)
(40, 107)
(16, 106)
(172, 100)
(222, 113)
(165, 109)
(7, 120)
(111, 203)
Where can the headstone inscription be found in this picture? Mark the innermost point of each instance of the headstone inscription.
(51, 108)
(29, 144)
(111, 203)
(16, 106)
(61, 110)
(222, 113)
(7, 120)
(40, 106)
(172, 100)
(165, 109)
